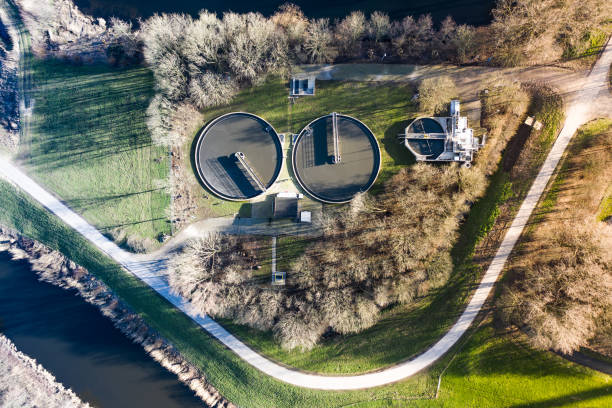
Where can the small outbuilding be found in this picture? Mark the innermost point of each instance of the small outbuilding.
(302, 86)
(286, 205)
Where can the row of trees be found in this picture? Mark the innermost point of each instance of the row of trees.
(205, 60)
(358, 36)
(375, 253)
(561, 294)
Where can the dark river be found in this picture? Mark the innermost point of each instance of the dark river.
(80, 347)
(476, 12)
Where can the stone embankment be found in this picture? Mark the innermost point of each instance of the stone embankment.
(51, 266)
(25, 383)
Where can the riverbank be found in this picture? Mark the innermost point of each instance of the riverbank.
(25, 383)
(52, 267)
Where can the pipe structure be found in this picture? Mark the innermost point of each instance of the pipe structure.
(250, 171)
(336, 158)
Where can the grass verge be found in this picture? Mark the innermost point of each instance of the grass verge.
(90, 145)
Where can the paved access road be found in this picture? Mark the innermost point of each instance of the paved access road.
(593, 95)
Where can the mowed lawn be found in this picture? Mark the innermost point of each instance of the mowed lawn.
(89, 144)
(490, 370)
(386, 108)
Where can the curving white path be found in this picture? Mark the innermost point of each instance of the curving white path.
(151, 271)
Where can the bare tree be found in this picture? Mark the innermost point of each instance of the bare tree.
(413, 38)
(463, 43)
(435, 94)
(559, 301)
(254, 45)
(349, 32)
(443, 44)
(379, 26)
(124, 37)
(163, 37)
(318, 41)
(210, 89)
(291, 20)
(203, 42)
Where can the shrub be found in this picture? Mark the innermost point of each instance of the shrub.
(318, 41)
(349, 33)
(210, 89)
(435, 94)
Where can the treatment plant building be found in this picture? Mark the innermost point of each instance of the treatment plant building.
(442, 138)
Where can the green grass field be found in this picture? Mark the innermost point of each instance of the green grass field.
(491, 370)
(90, 145)
(385, 108)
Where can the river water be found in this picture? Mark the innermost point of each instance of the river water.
(80, 347)
(476, 12)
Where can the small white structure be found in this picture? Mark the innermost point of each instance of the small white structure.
(530, 121)
(300, 86)
(306, 216)
(442, 138)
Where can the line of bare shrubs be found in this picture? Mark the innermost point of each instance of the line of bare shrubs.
(205, 60)
(544, 31)
(377, 252)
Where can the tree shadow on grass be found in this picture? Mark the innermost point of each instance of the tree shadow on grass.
(87, 113)
(568, 399)
(90, 202)
(393, 144)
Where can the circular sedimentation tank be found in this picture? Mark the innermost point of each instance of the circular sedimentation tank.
(425, 125)
(425, 138)
(238, 156)
(335, 157)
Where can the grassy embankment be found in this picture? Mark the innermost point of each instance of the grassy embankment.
(491, 370)
(90, 145)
